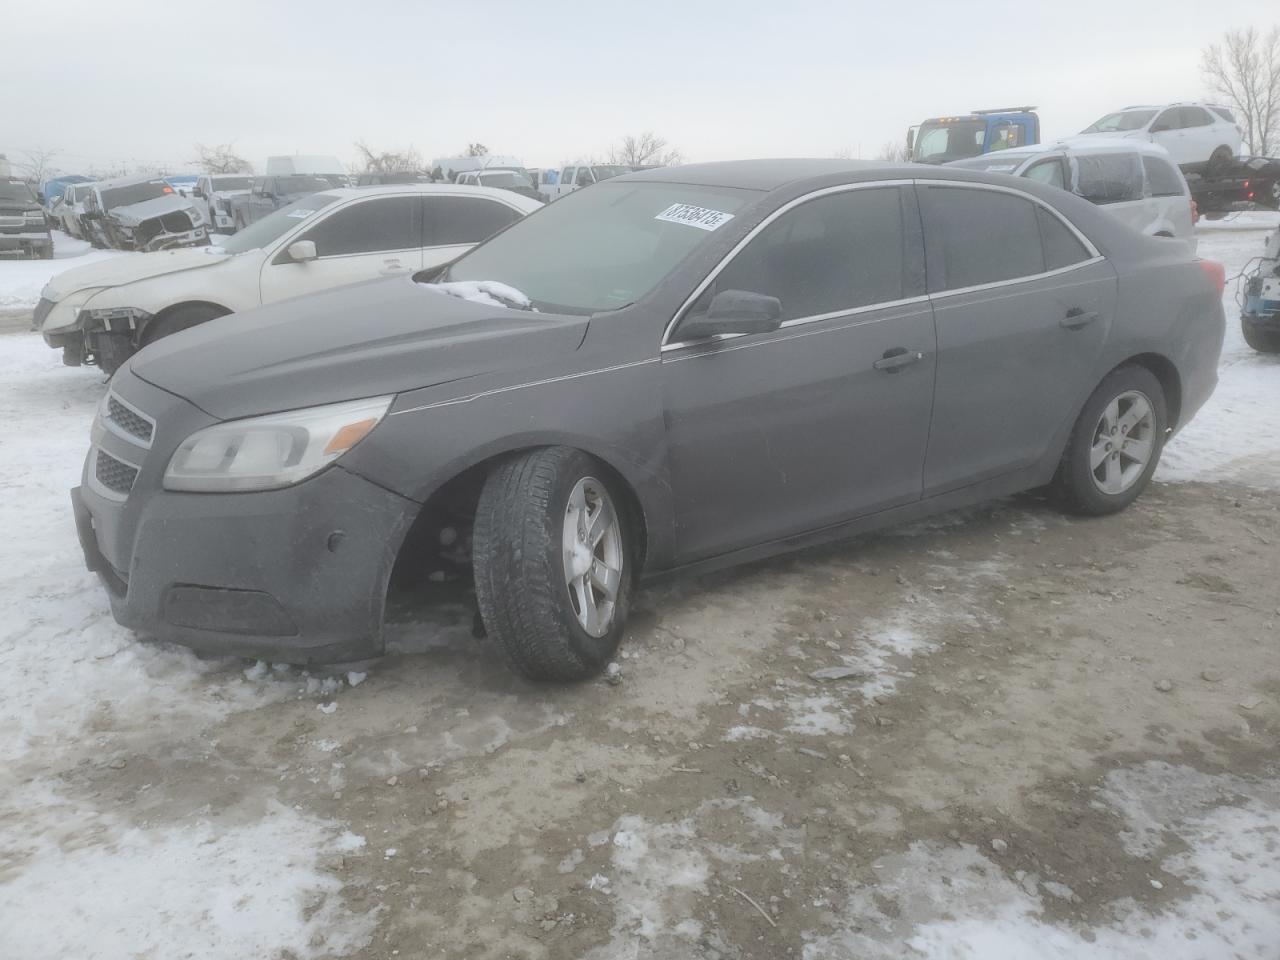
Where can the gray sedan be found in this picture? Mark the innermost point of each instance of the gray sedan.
(672, 370)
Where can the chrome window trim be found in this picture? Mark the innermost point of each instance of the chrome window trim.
(1094, 257)
(120, 431)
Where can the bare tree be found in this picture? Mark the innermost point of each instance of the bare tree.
(220, 158)
(1245, 71)
(477, 150)
(388, 161)
(894, 152)
(38, 164)
(646, 150)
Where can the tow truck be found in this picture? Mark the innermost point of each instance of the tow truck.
(943, 139)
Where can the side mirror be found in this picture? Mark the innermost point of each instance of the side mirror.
(302, 250)
(734, 311)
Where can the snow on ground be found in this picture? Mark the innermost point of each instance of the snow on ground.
(1236, 435)
(22, 280)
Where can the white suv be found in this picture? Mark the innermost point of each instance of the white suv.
(1195, 134)
(1133, 181)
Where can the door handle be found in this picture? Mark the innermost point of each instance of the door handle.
(1078, 319)
(897, 358)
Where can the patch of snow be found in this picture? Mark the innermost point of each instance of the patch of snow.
(491, 292)
(90, 884)
(818, 717)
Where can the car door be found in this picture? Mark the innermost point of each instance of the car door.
(361, 240)
(1199, 136)
(1167, 131)
(1023, 307)
(453, 225)
(826, 418)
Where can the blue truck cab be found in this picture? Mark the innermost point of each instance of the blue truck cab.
(943, 139)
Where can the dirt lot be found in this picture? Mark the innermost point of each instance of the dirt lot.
(1000, 733)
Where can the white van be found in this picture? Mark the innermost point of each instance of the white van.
(1134, 181)
(450, 167)
(581, 174)
(330, 168)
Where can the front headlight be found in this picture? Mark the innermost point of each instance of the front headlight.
(264, 453)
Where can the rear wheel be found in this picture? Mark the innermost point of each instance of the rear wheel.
(183, 318)
(1115, 445)
(552, 562)
(1264, 341)
(1219, 158)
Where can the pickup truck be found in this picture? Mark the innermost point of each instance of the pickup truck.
(271, 193)
(24, 230)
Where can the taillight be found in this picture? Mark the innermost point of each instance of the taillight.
(1215, 272)
(1195, 212)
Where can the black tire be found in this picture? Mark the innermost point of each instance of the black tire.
(1264, 341)
(1219, 158)
(183, 318)
(519, 565)
(1075, 482)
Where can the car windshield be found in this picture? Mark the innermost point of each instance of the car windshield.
(303, 184)
(16, 190)
(262, 232)
(134, 193)
(940, 142)
(1003, 161)
(505, 178)
(604, 248)
(232, 183)
(1124, 120)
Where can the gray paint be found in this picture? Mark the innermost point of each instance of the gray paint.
(734, 449)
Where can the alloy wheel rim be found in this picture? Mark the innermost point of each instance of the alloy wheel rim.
(1123, 443)
(591, 541)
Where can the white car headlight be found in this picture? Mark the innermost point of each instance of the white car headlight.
(278, 450)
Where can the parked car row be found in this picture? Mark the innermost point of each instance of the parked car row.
(581, 400)
(102, 313)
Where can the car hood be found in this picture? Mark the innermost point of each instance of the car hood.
(117, 271)
(379, 337)
(135, 213)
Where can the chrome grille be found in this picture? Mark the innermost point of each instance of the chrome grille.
(116, 475)
(129, 421)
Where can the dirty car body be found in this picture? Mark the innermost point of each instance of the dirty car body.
(141, 213)
(921, 393)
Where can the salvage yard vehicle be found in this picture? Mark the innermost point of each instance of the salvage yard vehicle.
(376, 178)
(101, 313)
(24, 230)
(328, 169)
(53, 188)
(1243, 183)
(140, 213)
(1260, 318)
(1197, 135)
(501, 178)
(675, 370)
(580, 175)
(944, 139)
(215, 192)
(266, 194)
(1133, 181)
(69, 208)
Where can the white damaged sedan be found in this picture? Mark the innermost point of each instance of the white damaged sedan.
(104, 312)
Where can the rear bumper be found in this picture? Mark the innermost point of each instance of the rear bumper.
(24, 243)
(296, 575)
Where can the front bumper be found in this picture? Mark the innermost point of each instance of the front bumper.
(297, 575)
(24, 243)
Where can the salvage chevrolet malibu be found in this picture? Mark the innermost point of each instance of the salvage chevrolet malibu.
(676, 369)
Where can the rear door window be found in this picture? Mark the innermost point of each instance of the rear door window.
(455, 220)
(369, 227)
(977, 236)
(1047, 172)
(830, 255)
(1162, 179)
(1169, 120)
(1109, 177)
(1195, 117)
(1062, 248)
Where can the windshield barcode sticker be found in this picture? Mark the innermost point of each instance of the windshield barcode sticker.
(699, 217)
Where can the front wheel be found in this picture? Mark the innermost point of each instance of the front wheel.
(552, 561)
(184, 318)
(1115, 444)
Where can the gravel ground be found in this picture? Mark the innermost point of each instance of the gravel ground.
(999, 733)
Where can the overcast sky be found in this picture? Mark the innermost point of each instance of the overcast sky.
(140, 82)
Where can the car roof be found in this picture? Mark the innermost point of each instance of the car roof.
(443, 189)
(129, 181)
(767, 175)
